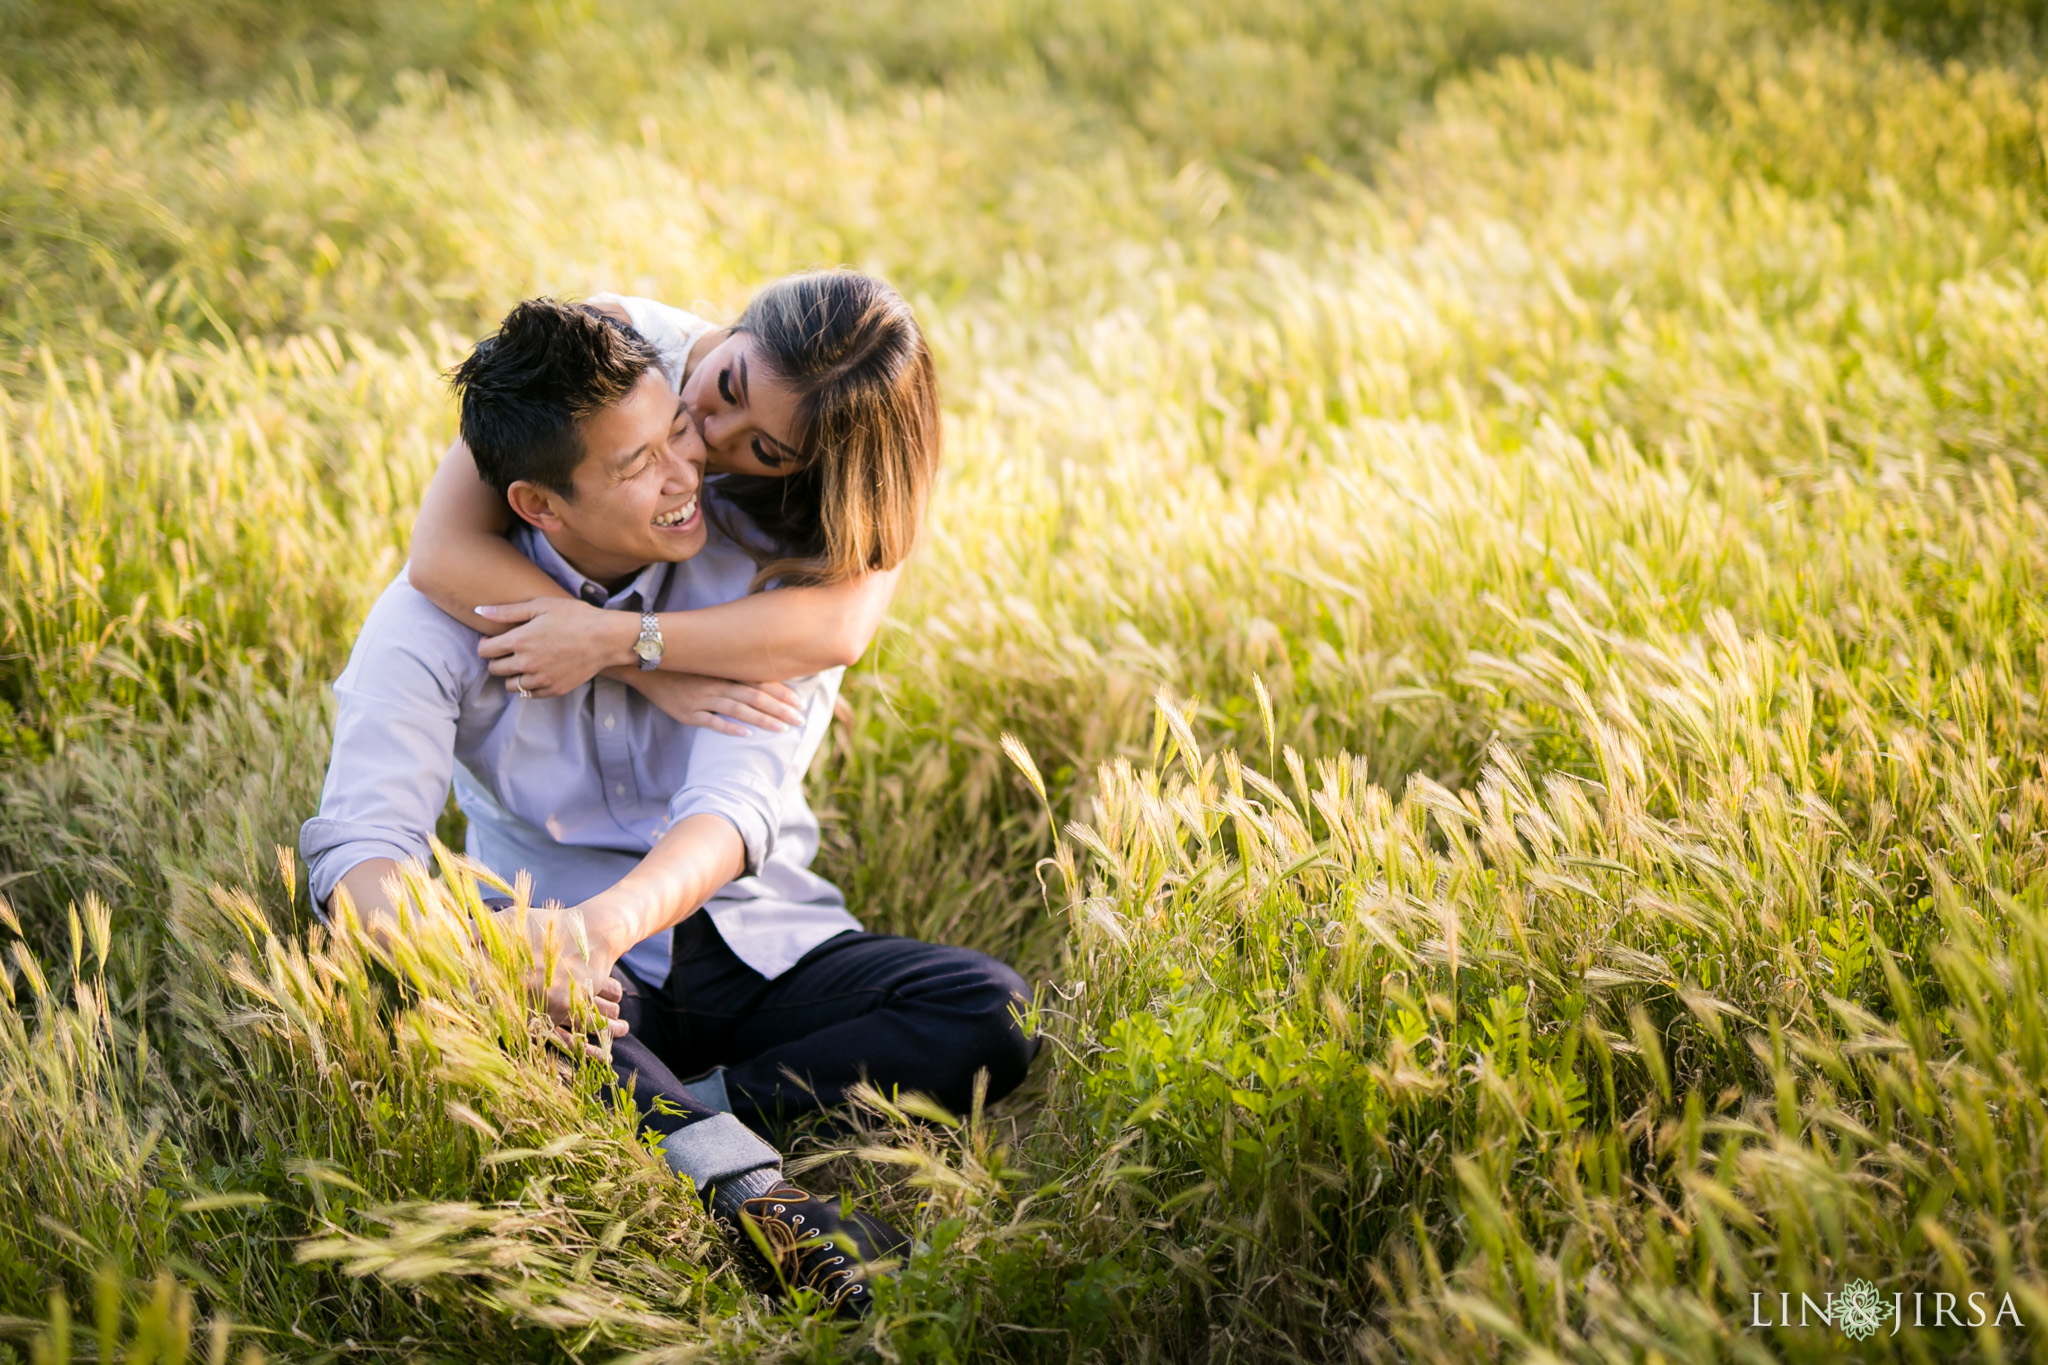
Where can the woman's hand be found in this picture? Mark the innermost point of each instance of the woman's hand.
(716, 703)
(558, 644)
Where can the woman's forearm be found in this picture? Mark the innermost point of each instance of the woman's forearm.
(490, 573)
(461, 559)
(559, 643)
(786, 633)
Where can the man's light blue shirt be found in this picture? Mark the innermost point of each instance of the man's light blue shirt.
(574, 790)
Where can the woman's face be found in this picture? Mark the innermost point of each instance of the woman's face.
(745, 411)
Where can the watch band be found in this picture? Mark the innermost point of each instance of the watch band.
(649, 647)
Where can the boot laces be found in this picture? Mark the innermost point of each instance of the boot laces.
(797, 1246)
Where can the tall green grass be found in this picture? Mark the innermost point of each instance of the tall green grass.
(1482, 638)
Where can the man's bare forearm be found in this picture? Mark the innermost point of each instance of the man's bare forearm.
(680, 873)
(370, 885)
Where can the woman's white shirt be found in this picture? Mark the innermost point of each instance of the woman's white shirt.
(671, 331)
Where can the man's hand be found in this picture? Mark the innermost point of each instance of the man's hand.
(565, 957)
(574, 951)
(577, 948)
(558, 644)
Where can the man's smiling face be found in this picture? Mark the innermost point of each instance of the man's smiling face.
(636, 491)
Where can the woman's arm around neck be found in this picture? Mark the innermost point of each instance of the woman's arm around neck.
(558, 644)
(461, 559)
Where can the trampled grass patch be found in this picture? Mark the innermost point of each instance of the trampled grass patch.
(1483, 642)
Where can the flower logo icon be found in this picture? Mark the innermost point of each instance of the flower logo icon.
(1858, 1309)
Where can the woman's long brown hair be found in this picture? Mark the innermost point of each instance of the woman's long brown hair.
(867, 427)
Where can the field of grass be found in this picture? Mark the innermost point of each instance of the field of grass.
(1482, 636)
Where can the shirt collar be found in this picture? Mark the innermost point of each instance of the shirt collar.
(646, 585)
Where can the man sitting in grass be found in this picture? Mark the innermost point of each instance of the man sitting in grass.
(639, 821)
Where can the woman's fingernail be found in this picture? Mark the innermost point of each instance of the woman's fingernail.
(481, 611)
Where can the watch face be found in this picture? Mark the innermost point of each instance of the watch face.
(647, 649)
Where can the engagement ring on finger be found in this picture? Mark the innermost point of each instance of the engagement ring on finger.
(520, 688)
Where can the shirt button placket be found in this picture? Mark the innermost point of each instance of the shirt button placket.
(614, 749)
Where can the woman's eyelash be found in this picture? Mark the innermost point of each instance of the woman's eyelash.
(762, 454)
(725, 387)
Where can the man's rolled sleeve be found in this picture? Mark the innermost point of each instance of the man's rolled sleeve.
(745, 779)
(741, 803)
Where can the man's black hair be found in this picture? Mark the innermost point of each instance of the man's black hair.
(524, 389)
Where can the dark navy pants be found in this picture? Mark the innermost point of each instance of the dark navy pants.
(897, 1012)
